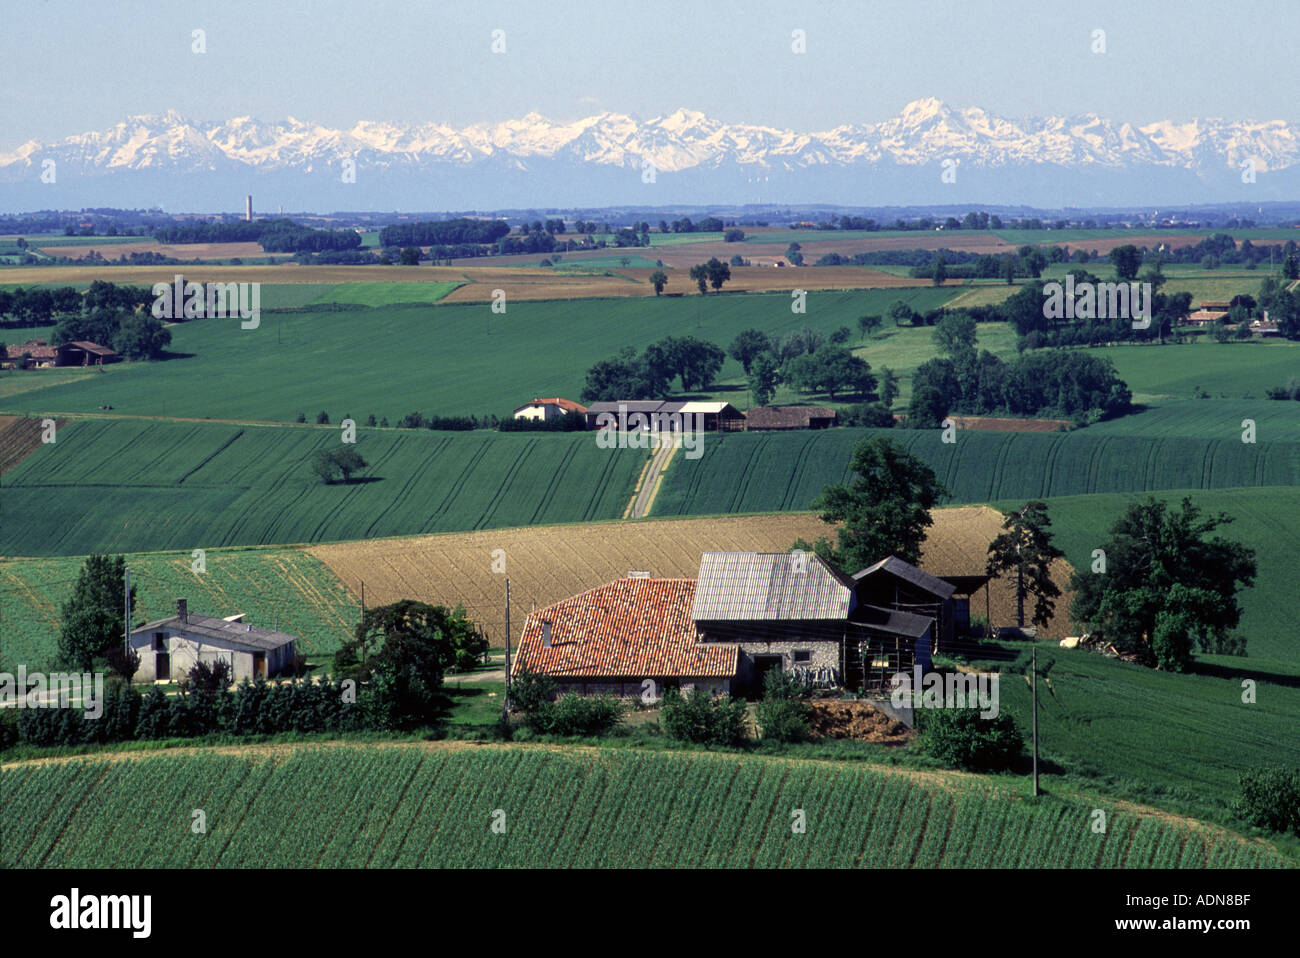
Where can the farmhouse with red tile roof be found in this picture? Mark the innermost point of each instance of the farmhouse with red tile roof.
(552, 408)
(612, 638)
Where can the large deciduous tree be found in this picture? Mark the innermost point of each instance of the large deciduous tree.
(884, 511)
(1165, 585)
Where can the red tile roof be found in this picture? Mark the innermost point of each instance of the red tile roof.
(90, 347)
(38, 349)
(566, 404)
(631, 628)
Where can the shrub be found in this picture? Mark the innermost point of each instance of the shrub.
(703, 719)
(1270, 798)
(530, 690)
(575, 714)
(123, 661)
(782, 715)
(960, 738)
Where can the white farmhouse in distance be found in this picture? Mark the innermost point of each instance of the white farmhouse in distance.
(549, 409)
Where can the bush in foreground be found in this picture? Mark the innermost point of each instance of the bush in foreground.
(575, 714)
(1270, 798)
(961, 739)
(783, 715)
(703, 719)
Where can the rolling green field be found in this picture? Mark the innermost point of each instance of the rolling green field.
(768, 472)
(284, 588)
(1230, 370)
(1267, 520)
(142, 486)
(452, 359)
(1179, 741)
(434, 806)
(384, 294)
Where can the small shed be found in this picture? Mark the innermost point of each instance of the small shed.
(169, 648)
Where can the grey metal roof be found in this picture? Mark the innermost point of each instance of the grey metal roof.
(236, 634)
(630, 405)
(891, 621)
(766, 586)
(909, 573)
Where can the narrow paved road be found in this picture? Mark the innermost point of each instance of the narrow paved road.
(657, 466)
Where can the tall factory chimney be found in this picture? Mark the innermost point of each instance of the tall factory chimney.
(248, 208)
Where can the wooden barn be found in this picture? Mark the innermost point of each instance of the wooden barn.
(789, 417)
(894, 584)
(169, 648)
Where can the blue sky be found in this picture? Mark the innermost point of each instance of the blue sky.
(76, 66)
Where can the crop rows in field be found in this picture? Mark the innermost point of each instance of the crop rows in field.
(286, 589)
(135, 486)
(1182, 739)
(757, 472)
(413, 806)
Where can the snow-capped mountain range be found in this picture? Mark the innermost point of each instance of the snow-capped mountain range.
(684, 156)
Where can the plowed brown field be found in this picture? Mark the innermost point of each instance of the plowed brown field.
(549, 563)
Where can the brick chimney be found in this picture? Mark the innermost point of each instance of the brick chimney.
(182, 612)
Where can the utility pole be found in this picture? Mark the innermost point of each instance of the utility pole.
(363, 596)
(1033, 682)
(505, 704)
(126, 606)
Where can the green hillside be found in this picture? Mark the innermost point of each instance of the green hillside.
(141, 486)
(768, 472)
(1267, 519)
(434, 806)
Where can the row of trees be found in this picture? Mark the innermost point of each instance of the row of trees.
(693, 362)
(1054, 383)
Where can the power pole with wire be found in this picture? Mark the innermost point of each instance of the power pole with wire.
(505, 703)
(126, 607)
(1033, 683)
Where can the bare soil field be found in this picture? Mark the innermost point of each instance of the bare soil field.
(1009, 424)
(176, 250)
(549, 563)
(280, 273)
(19, 436)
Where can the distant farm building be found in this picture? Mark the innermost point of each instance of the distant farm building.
(37, 353)
(170, 647)
(789, 417)
(549, 409)
(655, 415)
(1206, 317)
(745, 614)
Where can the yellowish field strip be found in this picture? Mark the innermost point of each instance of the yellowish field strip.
(549, 563)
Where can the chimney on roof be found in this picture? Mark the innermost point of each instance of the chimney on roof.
(182, 612)
(638, 574)
(546, 633)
